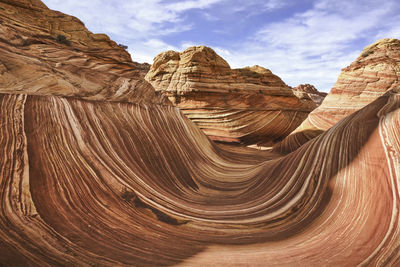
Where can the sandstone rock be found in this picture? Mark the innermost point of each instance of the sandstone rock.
(304, 91)
(110, 183)
(30, 4)
(248, 105)
(107, 182)
(143, 68)
(66, 58)
(372, 74)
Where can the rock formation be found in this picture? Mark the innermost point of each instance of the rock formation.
(106, 178)
(143, 68)
(309, 91)
(31, 4)
(249, 105)
(66, 58)
(373, 73)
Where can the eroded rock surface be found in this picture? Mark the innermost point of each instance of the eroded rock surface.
(47, 52)
(143, 68)
(97, 180)
(249, 105)
(309, 91)
(110, 183)
(373, 73)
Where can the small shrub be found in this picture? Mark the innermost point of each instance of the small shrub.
(367, 53)
(62, 40)
(123, 46)
(254, 74)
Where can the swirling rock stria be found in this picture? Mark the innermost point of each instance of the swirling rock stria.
(97, 180)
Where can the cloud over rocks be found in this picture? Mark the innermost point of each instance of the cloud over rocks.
(305, 41)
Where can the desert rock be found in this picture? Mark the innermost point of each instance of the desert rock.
(66, 58)
(309, 91)
(143, 68)
(248, 105)
(94, 179)
(373, 73)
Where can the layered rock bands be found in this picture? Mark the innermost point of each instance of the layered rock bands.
(47, 52)
(373, 73)
(249, 105)
(96, 173)
(110, 183)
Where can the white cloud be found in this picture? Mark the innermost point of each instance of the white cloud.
(186, 5)
(274, 4)
(392, 29)
(140, 18)
(222, 52)
(134, 23)
(260, 5)
(310, 46)
(147, 50)
(313, 46)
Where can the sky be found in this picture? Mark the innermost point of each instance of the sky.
(301, 41)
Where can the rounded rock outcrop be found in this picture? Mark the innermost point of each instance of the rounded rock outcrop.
(375, 72)
(249, 105)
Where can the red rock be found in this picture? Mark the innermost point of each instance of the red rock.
(98, 181)
(249, 105)
(372, 74)
(66, 58)
(30, 4)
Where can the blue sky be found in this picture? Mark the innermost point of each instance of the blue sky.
(303, 41)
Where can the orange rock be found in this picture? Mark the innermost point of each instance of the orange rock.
(372, 74)
(30, 4)
(249, 105)
(104, 176)
(65, 57)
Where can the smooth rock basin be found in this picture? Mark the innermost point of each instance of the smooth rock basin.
(97, 169)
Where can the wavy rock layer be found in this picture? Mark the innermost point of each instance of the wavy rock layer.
(106, 183)
(249, 105)
(93, 174)
(373, 73)
(65, 58)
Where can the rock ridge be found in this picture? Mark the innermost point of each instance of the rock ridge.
(68, 59)
(371, 75)
(247, 105)
(309, 91)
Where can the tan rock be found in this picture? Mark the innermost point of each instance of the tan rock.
(30, 4)
(305, 91)
(66, 58)
(105, 181)
(373, 73)
(143, 68)
(248, 105)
